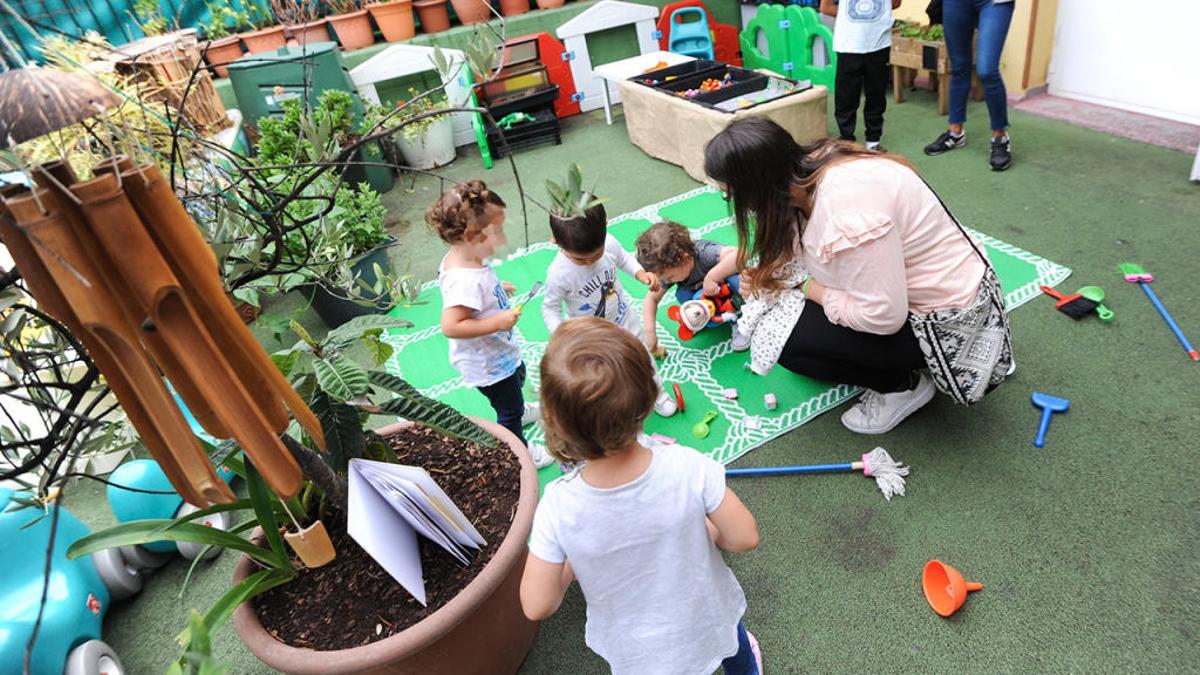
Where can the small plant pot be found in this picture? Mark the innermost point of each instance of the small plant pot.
(513, 7)
(432, 149)
(550, 4)
(472, 11)
(433, 14)
(265, 40)
(482, 630)
(395, 19)
(353, 30)
(310, 33)
(220, 52)
(336, 310)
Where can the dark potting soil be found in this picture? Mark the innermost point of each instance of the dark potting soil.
(352, 601)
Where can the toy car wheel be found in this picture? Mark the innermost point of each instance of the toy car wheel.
(93, 658)
(143, 558)
(122, 579)
(191, 550)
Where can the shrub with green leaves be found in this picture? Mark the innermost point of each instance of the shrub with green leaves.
(569, 199)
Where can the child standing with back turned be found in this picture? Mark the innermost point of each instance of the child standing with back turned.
(476, 316)
(638, 527)
(862, 38)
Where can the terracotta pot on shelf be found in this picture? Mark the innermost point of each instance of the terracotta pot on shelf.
(433, 14)
(550, 4)
(482, 630)
(472, 11)
(513, 7)
(264, 40)
(353, 29)
(395, 19)
(309, 33)
(220, 52)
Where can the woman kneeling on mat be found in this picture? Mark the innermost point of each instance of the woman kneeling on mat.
(893, 294)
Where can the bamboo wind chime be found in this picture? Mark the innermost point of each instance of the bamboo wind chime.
(119, 261)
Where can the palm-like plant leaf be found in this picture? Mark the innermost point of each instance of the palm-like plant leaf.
(344, 435)
(414, 406)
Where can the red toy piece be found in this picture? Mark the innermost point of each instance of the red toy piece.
(678, 397)
(551, 52)
(725, 37)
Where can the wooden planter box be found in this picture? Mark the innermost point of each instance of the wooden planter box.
(908, 57)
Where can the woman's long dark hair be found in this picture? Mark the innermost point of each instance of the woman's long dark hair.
(769, 175)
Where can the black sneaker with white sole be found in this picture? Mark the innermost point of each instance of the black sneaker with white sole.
(1001, 157)
(947, 141)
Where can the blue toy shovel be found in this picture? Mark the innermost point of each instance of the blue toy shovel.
(1049, 405)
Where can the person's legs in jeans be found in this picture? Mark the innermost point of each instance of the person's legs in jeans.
(509, 402)
(993, 23)
(826, 351)
(959, 18)
(745, 661)
(847, 89)
(875, 76)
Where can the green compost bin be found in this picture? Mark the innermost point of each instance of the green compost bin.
(262, 82)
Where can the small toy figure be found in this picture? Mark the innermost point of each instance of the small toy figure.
(704, 311)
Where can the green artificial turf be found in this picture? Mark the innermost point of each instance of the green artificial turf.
(1087, 549)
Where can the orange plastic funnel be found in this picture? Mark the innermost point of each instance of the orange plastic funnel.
(945, 588)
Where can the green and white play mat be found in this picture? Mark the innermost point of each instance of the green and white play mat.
(703, 367)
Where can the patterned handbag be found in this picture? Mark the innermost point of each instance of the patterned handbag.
(968, 349)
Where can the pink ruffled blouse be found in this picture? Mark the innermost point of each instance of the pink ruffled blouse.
(883, 246)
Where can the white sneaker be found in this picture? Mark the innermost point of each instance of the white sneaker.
(541, 456)
(533, 413)
(741, 342)
(877, 413)
(664, 405)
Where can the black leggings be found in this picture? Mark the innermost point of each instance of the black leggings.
(825, 351)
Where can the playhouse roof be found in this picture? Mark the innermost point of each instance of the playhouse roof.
(604, 15)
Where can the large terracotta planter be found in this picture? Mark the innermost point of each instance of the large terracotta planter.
(219, 52)
(433, 15)
(550, 4)
(395, 19)
(265, 40)
(353, 30)
(310, 33)
(513, 7)
(482, 630)
(472, 11)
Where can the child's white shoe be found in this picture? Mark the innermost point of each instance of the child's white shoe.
(533, 413)
(664, 405)
(740, 342)
(541, 456)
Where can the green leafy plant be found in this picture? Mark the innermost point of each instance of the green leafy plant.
(406, 115)
(343, 6)
(911, 29)
(224, 20)
(569, 199)
(148, 15)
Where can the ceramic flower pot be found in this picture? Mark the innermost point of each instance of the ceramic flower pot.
(550, 4)
(219, 52)
(433, 14)
(309, 33)
(265, 40)
(481, 631)
(395, 19)
(472, 11)
(430, 150)
(513, 7)
(353, 30)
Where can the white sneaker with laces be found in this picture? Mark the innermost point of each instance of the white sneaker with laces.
(877, 413)
(533, 413)
(664, 405)
(541, 456)
(741, 342)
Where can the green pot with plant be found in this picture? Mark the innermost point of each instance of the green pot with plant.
(348, 615)
(351, 24)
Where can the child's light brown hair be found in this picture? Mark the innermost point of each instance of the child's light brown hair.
(597, 389)
(458, 214)
(664, 245)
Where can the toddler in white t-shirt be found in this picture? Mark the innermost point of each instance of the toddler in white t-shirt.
(476, 315)
(639, 528)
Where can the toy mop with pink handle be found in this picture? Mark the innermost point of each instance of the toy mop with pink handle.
(1135, 274)
(878, 464)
